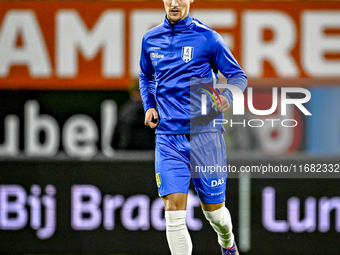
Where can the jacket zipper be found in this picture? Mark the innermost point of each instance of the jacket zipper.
(172, 37)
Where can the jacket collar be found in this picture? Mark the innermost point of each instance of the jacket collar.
(180, 25)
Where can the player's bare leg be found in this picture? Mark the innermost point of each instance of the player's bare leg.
(219, 218)
(175, 202)
(176, 229)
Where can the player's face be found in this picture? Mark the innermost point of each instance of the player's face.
(177, 10)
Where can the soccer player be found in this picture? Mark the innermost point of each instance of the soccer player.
(173, 54)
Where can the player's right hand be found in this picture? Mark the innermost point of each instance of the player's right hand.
(151, 118)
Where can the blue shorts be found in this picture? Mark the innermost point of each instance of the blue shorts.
(182, 157)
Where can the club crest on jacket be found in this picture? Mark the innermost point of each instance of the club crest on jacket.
(187, 53)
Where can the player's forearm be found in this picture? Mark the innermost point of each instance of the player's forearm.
(240, 82)
(147, 97)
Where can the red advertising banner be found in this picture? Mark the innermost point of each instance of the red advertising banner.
(96, 45)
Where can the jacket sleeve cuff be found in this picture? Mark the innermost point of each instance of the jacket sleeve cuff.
(148, 106)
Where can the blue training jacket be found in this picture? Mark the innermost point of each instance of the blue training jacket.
(171, 55)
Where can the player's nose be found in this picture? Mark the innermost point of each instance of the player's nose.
(174, 2)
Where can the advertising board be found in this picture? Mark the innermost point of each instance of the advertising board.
(102, 207)
(96, 45)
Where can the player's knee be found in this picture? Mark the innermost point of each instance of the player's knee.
(175, 202)
(173, 207)
(220, 217)
(211, 207)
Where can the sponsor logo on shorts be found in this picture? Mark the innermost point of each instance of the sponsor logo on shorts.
(158, 180)
(216, 183)
(217, 194)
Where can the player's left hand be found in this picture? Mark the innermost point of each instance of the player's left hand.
(225, 104)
